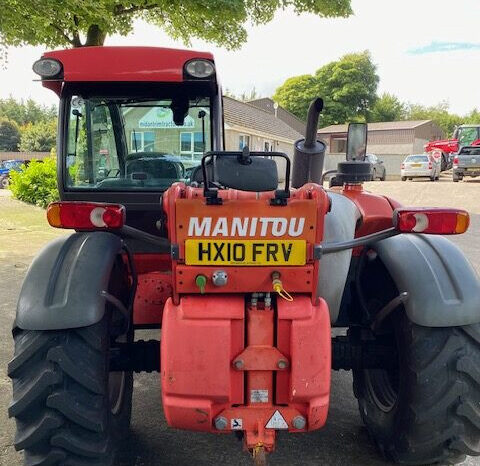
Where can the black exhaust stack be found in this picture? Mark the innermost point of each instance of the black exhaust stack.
(309, 153)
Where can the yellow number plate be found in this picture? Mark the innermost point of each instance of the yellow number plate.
(416, 164)
(245, 252)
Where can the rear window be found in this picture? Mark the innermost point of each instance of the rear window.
(417, 158)
(470, 151)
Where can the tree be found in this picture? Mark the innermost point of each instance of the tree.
(39, 137)
(387, 108)
(9, 135)
(24, 112)
(245, 96)
(88, 22)
(296, 93)
(438, 113)
(348, 87)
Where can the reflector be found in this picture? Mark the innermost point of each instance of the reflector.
(436, 221)
(86, 215)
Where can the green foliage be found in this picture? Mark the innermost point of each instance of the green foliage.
(27, 111)
(387, 108)
(37, 183)
(348, 87)
(9, 135)
(39, 137)
(66, 23)
(438, 113)
(244, 96)
(296, 93)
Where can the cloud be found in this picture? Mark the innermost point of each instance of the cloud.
(436, 47)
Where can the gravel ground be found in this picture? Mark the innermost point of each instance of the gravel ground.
(343, 441)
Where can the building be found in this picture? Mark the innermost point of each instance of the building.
(265, 103)
(391, 141)
(249, 125)
(260, 130)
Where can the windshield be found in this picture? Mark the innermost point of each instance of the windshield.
(467, 135)
(417, 158)
(135, 144)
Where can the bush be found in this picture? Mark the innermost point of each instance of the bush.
(37, 183)
(38, 137)
(9, 135)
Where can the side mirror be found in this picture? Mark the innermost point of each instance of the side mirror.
(357, 141)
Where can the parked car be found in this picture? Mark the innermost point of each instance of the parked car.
(379, 170)
(6, 167)
(466, 163)
(418, 166)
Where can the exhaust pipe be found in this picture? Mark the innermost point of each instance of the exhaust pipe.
(309, 153)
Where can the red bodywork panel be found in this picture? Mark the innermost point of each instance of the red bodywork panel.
(181, 202)
(154, 287)
(204, 334)
(121, 64)
(447, 146)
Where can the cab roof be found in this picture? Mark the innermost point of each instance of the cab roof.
(121, 64)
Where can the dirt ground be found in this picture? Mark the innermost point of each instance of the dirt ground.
(344, 441)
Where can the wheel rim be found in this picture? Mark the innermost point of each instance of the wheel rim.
(382, 386)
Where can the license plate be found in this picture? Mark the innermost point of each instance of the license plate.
(245, 252)
(416, 165)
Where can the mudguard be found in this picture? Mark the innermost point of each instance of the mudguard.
(64, 284)
(339, 225)
(443, 287)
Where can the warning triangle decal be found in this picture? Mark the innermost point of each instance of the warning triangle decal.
(276, 421)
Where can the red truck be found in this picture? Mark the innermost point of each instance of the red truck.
(464, 135)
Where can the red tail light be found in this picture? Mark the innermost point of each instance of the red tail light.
(431, 220)
(86, 215)
(455, 161)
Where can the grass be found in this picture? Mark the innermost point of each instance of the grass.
(23, 228)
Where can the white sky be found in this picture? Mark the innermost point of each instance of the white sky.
(292, 45)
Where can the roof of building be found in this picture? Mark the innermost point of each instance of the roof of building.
(382, 126)
(266, 103)
(249, 116)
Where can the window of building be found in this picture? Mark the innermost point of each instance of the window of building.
(191, 143)
(142, 141)
(268, 146)
(338, 145)
(243, 140)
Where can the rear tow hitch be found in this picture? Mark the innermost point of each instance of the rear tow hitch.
(259, 455)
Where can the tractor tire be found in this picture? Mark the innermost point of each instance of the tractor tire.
(425, 411)
(69, 409)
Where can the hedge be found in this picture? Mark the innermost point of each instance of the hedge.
(36, 183)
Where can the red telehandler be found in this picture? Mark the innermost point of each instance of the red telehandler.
(245, 263)
(464, 135)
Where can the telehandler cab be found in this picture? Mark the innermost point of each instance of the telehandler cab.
(245, 269)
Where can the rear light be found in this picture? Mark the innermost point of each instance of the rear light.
(431, 220)
(402, 166)
(86, 215)
(430, 166)
(455, 162)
